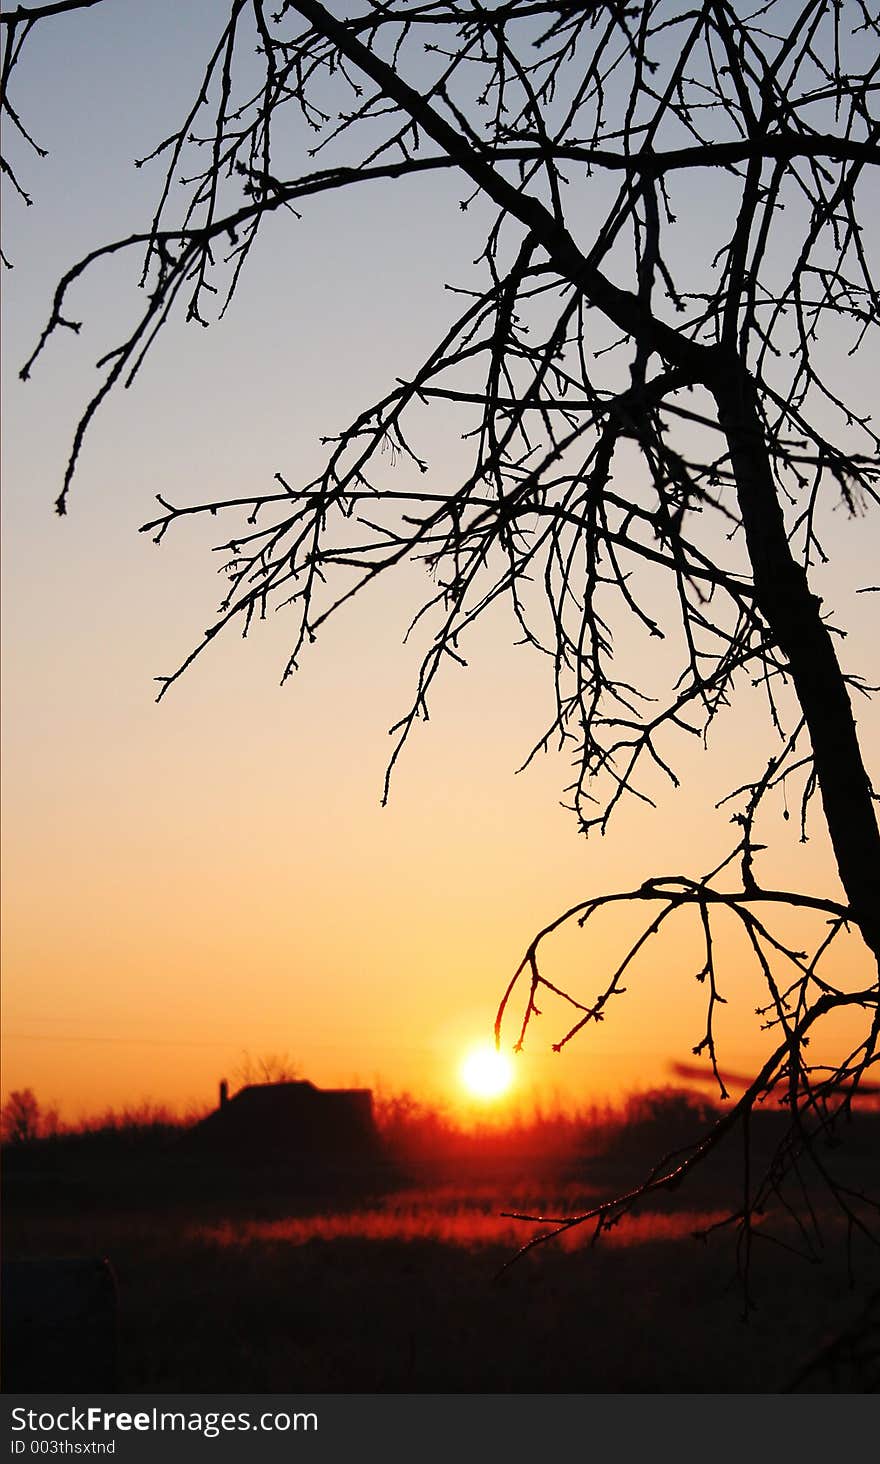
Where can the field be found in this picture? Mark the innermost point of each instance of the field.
(397, 1277)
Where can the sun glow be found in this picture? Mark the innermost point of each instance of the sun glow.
(486, 1073)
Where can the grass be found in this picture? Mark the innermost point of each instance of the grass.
(397, 1279)
(358, 1303)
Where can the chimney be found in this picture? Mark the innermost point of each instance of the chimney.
(224, 1092)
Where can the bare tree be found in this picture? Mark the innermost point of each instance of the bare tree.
(655, 421)
(271, 1067)
(20, 1117)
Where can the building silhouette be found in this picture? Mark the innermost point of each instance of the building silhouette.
(290, 1121)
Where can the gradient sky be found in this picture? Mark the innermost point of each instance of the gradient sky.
(213, 877)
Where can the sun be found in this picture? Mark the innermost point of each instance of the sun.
(486, 1072)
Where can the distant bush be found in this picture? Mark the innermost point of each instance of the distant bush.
(412, 1129)
(143, 1117)
(25, 1123)
(434, 1138)
(662, 1120)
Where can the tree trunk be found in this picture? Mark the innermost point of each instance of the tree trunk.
(792, 613)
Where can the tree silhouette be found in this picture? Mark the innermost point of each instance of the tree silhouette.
(271, 1067)
(656, 418)
(20, 1117)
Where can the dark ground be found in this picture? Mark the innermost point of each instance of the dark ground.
(226, 1285)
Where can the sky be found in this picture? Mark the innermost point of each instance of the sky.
(191, 886)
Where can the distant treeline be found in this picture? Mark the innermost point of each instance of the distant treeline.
(414, 1130)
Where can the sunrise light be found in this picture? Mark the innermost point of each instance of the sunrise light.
(485, 1072)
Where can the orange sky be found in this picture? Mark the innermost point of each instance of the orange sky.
(214, 877)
